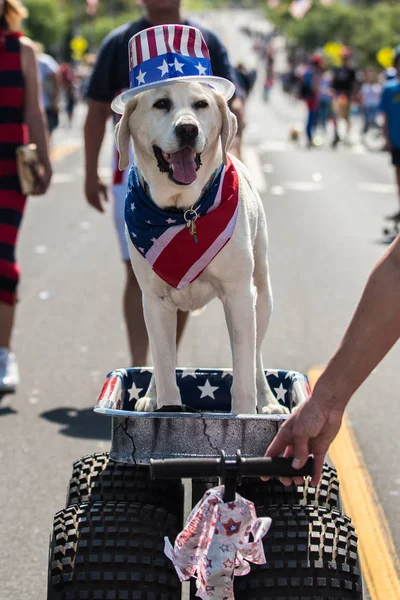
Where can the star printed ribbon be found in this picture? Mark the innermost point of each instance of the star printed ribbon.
(215, 546)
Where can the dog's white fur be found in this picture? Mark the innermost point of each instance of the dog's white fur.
(238, 275)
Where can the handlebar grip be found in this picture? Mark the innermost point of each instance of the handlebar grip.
(275, 467)
(181, 468)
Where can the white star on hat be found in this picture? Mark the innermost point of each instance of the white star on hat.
(140, 77)
(169, 221)
(134, 392)
(178, 66)
(133, 206)
(207, 390)
(202, 70)
(164, 68)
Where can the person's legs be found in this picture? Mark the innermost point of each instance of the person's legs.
(7, 314)
(310, 126)
(335, 121)
(398, 181)
(135, 323)
(366, 121)
(396, 164)
(134, 319)
(9, 375)
(347, 115)
(397, 172)
(323, 113)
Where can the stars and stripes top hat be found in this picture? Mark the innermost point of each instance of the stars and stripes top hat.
(165, 54)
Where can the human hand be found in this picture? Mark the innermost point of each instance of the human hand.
(96, 192)
(43, 180)
(309, 430)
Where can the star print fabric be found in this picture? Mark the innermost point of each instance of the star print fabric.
(215, 544)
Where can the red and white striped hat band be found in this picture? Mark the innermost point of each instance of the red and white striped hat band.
(165, 54)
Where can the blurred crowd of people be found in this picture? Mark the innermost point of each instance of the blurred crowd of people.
(334, 93)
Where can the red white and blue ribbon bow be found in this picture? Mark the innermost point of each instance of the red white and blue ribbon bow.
(175, 252)
(215, 544)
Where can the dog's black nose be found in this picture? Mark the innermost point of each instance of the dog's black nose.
(187, 131)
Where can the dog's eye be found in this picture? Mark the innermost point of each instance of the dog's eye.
(163, 104)
(201, 104)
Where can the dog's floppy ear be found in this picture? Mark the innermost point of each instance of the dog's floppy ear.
(229, 126)
(122, 134)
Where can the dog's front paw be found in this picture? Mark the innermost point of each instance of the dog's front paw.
(146, 404)
(274, 408)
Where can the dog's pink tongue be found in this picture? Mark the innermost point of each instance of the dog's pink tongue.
(183, 165)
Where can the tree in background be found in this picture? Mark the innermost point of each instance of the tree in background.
(46, 23)
(365, 28)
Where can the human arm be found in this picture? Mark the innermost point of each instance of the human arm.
(34, 112)
(386, 135)
(94, 130)
(101, 91)
(237, 108)
(383, 108)
(373, 330)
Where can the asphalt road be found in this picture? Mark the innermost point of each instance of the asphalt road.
(324, 212)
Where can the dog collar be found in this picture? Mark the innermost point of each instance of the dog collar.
(165, 239)
(192, 213)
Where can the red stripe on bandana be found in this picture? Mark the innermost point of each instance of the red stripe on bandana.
(182, 261)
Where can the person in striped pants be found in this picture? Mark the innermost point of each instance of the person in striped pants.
(21, 121)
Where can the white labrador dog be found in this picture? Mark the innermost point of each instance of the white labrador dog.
(162, 122)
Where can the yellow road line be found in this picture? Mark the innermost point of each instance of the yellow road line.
(62, 151)
(379, 560)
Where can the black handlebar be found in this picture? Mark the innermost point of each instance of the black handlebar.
(176, 468)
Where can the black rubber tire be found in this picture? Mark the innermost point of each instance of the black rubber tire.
(266, 493)
(96, 478)
(112, 551)
(311, 554)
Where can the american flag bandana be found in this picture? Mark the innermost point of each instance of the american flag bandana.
(167, 240)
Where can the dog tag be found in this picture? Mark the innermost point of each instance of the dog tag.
(193, 230)
(190, 217)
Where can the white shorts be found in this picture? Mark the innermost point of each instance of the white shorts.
(119, 194)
